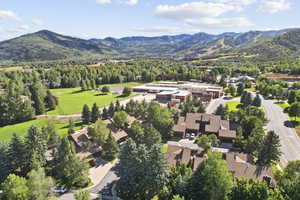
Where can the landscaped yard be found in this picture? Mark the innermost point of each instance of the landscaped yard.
(232, 105)
(71, 100)
(21, 128)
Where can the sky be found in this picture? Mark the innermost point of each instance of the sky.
(121, 18)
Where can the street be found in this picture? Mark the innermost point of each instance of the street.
(278, 121)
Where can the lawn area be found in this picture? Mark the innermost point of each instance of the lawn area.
(6, 132)
(284, 105)
(71, 100)
(232, 105)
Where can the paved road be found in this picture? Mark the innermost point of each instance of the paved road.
(278, 121)
(213, 105)
(109, 178)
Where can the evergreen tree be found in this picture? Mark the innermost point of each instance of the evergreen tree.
(105, 89)
(269, 152)
(126, 91)
(111, 110)
(5, 167)
(38, 95)
(240, 89)
(86, 115)
(50, 101)
(15, 188)
(110, 148)
(69, 169)
(105, 114)
(18, 154)
(257, 101)
(95, 113)
(212, 180)
(151, 136)
(36, 143)
(248, 99)
(294, 110)
(39, 185)
(292, 97)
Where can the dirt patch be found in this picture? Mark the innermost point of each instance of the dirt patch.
(298, 130)
(284, 77)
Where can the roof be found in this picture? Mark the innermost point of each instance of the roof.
(81, 138)
(227, 134)
(182, 93)
(240, 166)
(168, 92)
(119, 135)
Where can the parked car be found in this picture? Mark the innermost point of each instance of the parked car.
(59, 189)
(187, 135)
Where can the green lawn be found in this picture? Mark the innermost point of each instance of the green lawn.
(284, 105)
(21, 128)
(71, 100)
(232, 105)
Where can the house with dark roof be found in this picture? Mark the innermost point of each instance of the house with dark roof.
(200, 123)
(239, 164)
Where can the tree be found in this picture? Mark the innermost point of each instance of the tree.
(151, 136)
(254, 190)
(95, 113)
(38, 95)
(126, 91)
(5, 167)
(69, 169)
(39, 185)
(212, 180)
(248, 99)
(17, 154)
(105, 89)
(120, 119)
(289, 180)
(50, 133)
(269, 152)
(111, 110)
(50, 101)
(110, 148)
(99, 132)
(257, 101)
(231, 90)
(36, 143)
(240, 89)
(82, 195)
(177, 197)
(15, 188)
(178, 180)
(292, 97)
(86, 115)
(141, 171)
(105, 114)
(136, 132)
(222, 111)
(294, 110)
(161, 119)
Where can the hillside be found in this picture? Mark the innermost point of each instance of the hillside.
(47, 45)
(282, 46)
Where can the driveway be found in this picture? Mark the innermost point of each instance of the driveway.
(278, 122)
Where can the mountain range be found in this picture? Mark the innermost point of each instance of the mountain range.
(46, 45)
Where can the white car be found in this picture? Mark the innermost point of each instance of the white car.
(193, 135)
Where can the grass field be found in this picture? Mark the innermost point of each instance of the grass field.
(21, 128)
(284, 105)
(71, 100)
(232, 105)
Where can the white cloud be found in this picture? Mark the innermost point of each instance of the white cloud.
(165, 30)
(274, 6)
(37, 22)
(204, 14)
(10, 15)
(129, 2)
(194, 10)
(237, 2)
(104, 1)
(132, 2)
(213, 23)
